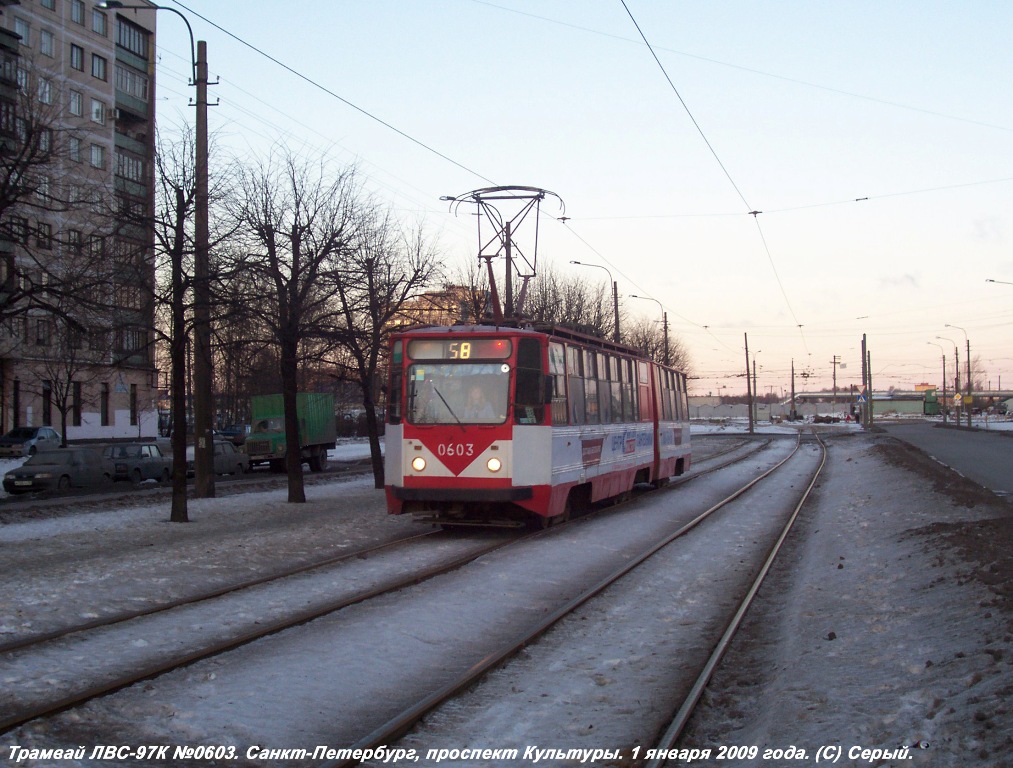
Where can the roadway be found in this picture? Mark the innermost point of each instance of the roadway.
(982, 456)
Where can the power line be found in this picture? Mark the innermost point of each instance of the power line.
(686, 107)
(331, 93)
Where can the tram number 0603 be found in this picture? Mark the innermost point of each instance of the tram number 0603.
(455, 449)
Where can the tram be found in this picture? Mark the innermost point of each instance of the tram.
(493, 425)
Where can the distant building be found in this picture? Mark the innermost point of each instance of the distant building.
(453, 304)
(90, 74)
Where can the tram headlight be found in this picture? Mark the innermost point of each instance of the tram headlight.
(418, 464)
(494, 464)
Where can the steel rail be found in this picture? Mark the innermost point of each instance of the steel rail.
(109, 621)
(263, 630)
(400, 724)
(672, 733)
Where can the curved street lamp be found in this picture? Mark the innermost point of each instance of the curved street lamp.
(615, 296)
(203, 399)
(664, 320)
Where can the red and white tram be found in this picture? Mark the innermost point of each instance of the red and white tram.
(496, 425)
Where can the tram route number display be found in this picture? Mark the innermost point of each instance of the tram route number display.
(741, 755)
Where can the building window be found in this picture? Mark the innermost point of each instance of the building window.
(44, 236)
(76, 406)
(74, 240)
(129, 167)
(76, 103)
(74, 148)
(43, 332)
(98, 156)
(98, 66)
(47, 43)
(19, 230)
(45, 90)
(16, 403)
(47, 403)
(77, 57)
(98, 341)
(77, 11)
(98, 112)
(131, 82)
(24, 30)
(49, 4)
(96, 246)
(43, 190)
(132, 37)
(98, 23)
(133, 405)
(104, 404)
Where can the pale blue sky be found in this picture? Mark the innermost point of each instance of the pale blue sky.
(807, 105)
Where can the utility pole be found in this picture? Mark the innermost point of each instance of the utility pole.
(865, 387)
(834, 362)
(794, 414)
(204, 475)
(749, 391)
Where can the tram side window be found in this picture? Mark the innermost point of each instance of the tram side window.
(630, 412)
(396, 380)
(683, 398)
(615, 388)
(575, 375)
(529, 407)
(604, 389)
(591, 387)
(666, 394)
(557, 371)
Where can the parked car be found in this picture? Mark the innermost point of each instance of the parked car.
(229, 460)
(27, 441)
(137, 462)
(60, 469)
(235, 433)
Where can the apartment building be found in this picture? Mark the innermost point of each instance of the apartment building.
(77, 122)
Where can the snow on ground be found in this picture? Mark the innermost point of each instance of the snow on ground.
(885, 624)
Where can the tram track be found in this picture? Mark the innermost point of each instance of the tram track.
(397, 727)
(427, 702)
(22, 652)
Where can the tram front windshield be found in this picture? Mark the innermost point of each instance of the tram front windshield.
(457, 393)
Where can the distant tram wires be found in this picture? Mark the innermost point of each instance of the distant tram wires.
(754, 213)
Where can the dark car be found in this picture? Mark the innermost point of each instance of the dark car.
(27, 441)
(137, 462)
(60, 469)
(229, 460)
(234, 433)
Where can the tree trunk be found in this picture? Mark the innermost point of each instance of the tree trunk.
(177, 355)
(289, 389)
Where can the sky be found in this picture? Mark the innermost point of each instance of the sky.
(794, 174)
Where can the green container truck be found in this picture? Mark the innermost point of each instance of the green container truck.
(266, 441)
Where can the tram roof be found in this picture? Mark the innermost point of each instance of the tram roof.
(557, 331)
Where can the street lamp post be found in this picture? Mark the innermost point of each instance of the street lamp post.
(615, 297)
(943, 352)
(204, 476)
(956, 377)
(664, 321)
(970, 392)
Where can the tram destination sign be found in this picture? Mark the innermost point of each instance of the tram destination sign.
(459, 349)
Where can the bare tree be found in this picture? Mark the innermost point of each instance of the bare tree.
(300, 223)
(172, 294)
(389, 266)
